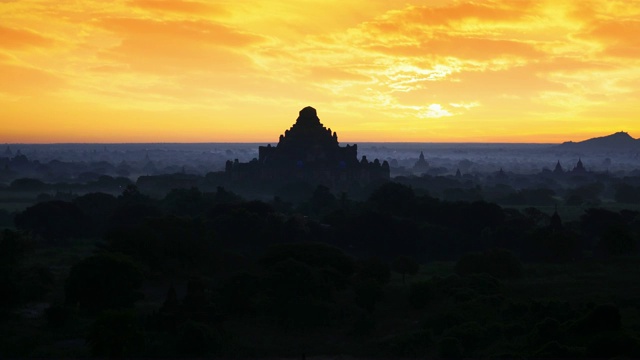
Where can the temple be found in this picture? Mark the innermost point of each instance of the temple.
(310, 152)
(421, 166)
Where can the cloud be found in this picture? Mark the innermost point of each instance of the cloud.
(189, 31)
(178, 46)
(174, 57)
(434, 111)
(17, 39)
(187, 7)
(466, 106)
(489, 11)
(326, 73)
(21, 80)
(462, 48)
(618, 38)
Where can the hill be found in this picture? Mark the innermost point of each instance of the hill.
(618, 141)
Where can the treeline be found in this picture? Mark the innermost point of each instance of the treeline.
(254, 278)
(587, 190)
(392, 222)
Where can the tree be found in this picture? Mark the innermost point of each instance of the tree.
(27, 184)
(316, 255)
(374, 268)
(394, 198)
(116, 333)
(617, 240)
(13, 247)
(105, 281)
(627, 194)
(97, 209)
(420, 294)
(298, 295)
(497, 262)
(405, 265)
(322, 200)
(53, 220)
(367, 293)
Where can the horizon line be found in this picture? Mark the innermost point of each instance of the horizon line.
(267, 142)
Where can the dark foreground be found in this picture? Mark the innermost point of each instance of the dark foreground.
(198, 274)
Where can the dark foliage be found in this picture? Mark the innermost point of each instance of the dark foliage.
(368, 292)
(394, 198)
(116, 334)
(627, 194)
(105, 281)
(375, 269)
(450, 348)
(252, 278)
(420, 294)
(405, 265)
(97, 209)
(13, 247)
(27, 184)
(317, 255)
(167, 244)
(499, 263)
(53, 220)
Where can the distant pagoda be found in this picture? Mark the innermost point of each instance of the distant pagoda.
(309, 151)
(558, 169)
(579, 168)
(421, 165)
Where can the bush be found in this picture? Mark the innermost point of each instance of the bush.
(36, 282)
(58, 315)
(315, 255)
(368, 293)
(405, 265)
(103, 281)
(116, 334)
(499, 263)
(440, 321)
(554, 349)
(195, 339)
(238, 294)
(375, 269)
(603, 318)
(363, 324)
(470, 334)
(409, 345)
(616, 240)
(420, 294)
(612, 345)
(449, 348)
(545, 331)
(53, 220)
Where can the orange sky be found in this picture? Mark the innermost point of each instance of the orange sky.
(376, 70)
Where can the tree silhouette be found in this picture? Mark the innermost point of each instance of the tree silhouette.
(405, 265)
(53, 220)
(13, 247)
(116, 334)
(373, 268)
(97, 209)
(497, 262)
(105, 281)
(394, 198)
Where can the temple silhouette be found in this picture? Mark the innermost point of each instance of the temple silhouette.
(310, 152)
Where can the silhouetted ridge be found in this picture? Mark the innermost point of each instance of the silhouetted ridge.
(620, 140)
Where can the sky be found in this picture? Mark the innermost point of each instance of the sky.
(376, 70)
